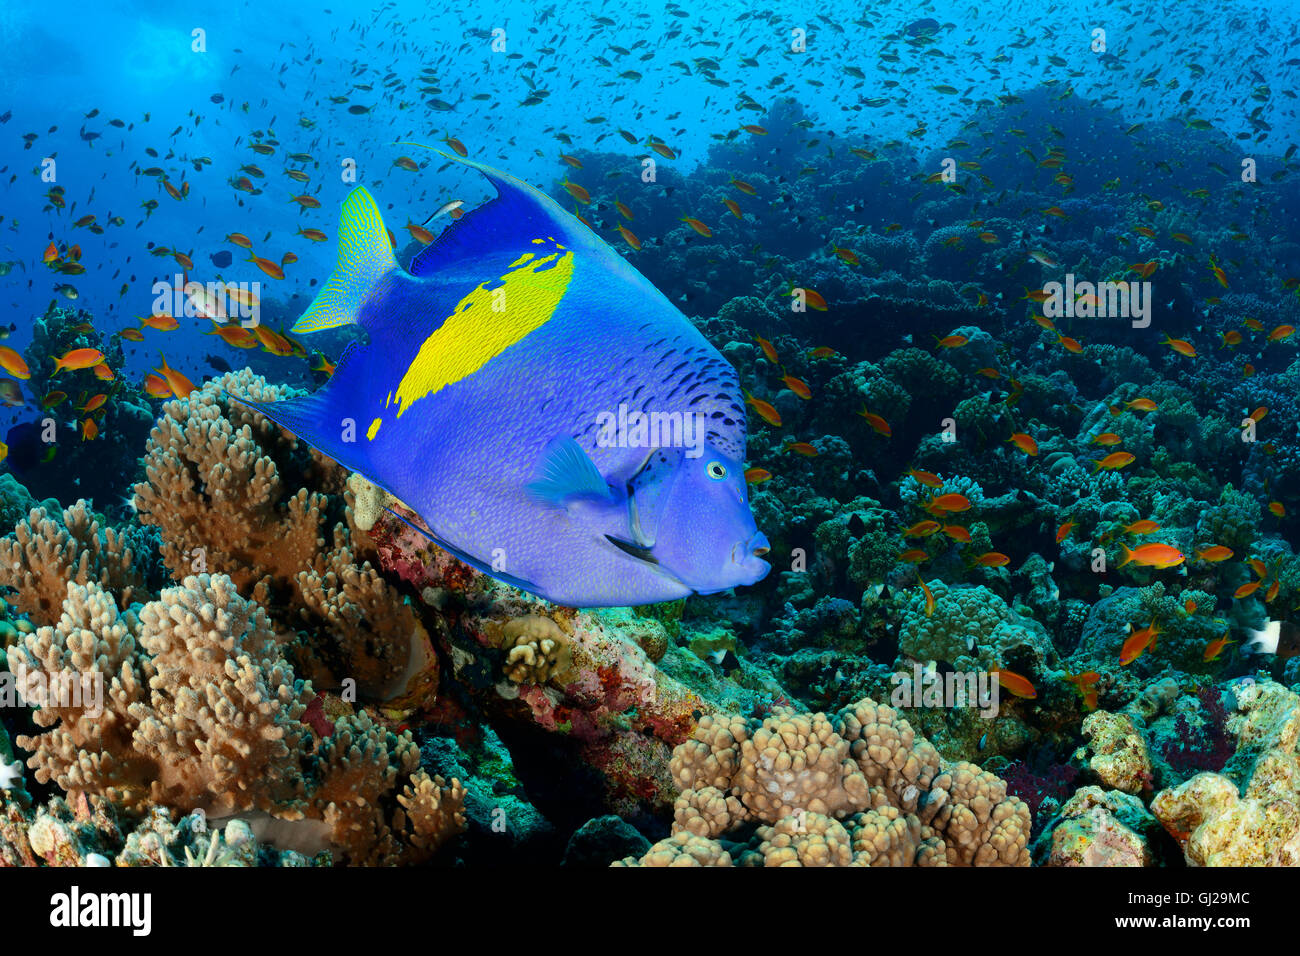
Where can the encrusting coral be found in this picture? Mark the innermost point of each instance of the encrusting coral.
(1119, 753)
(1219, 824)
(856, 788)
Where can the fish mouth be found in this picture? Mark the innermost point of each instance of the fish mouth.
(746, 565)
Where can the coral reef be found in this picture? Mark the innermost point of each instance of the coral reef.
(855, 788)
(190, 704)
(1257, 823)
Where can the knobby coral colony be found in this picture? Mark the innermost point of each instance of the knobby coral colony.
(293, 675)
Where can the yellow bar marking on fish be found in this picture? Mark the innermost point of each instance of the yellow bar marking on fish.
(474, 333)
(521, 260)
(374, 428)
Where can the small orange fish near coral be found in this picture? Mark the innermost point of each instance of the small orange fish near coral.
(1016, 684)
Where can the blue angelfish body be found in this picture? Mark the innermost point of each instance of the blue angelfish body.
(501, 396)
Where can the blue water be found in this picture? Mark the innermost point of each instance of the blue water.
(275, 67)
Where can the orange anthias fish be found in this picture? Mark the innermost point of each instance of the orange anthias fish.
(949, 502)
(272, 341)
(89, 430)
(157, 386)
(765, 410)
(929, 479)
(698, 226)
(1214, 553)
(993, 559)
(235, 335)
(876, 422)
(1155, 555)
(957, 533)
(801, 448)
(1064, 530)
(79, 358)
(1145, 526)
(756, 476)
(1181, 346)
(629, 236)
(798, 386)
(929, 598)
(13, 363)
(1025, 443)
(163, 322)
(266, 265)
(1113, 461)
(1085, 685)
(815, 299)
(922, 529)
(1246, 590)
(769, 350)
(1215, 648)
(178, 384)
(1016, 684)
(1137, 643)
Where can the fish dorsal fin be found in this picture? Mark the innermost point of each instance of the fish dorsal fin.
(364, 256)
(518, 210)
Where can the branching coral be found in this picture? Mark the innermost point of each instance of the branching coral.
(201, 711)
(43, 554)
(859, 787)
(218, 489)
(215, 491)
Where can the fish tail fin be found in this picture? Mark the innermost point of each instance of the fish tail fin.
(364, 256)
(1128, 555)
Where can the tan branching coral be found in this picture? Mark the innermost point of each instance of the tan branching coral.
(377, 635)
(201, 711)
(219, 480)
(206, 716)
(89, 656)
(1218, 824)
(43, 554)
(223, 716)
(855, 788)
(215, 492)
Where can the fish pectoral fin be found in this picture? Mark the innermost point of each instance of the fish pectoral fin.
(565, 474)
(635, 550)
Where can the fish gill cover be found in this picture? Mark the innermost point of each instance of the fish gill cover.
(404, 406)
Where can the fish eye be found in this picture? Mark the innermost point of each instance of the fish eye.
(716, 470)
